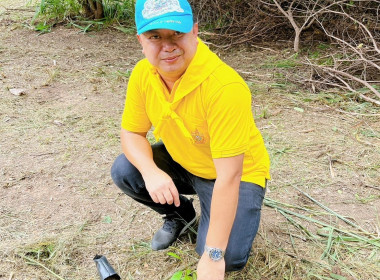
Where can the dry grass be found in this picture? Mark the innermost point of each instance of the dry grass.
(59, 207)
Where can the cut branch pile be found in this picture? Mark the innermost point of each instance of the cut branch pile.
(355, 65)
(351, 27)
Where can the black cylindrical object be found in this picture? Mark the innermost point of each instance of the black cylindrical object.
(105, 270)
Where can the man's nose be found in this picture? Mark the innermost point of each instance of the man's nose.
(168, 45)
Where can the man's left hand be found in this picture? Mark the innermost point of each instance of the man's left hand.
(210, 270)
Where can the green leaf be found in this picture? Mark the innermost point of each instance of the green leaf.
(174, 255)
(338, 277)
(42, 28)
(177, 275)
(299, 109)
(126, 30)
(107, 219)
(277, 85)
(126, 74)
(83, 29)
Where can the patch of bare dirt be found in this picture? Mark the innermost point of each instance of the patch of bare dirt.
(58, 142)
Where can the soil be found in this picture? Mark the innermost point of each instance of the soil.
(59, 139)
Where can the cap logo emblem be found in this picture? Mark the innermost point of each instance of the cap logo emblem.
(155, 8)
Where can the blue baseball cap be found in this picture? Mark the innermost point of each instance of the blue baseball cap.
(163, 14)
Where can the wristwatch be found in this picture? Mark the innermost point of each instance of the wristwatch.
(215, 254)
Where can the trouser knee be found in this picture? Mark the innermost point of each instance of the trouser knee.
(236, 264)
(125, 175)
(117, 170)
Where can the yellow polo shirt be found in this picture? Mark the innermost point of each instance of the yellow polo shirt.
(207, 115)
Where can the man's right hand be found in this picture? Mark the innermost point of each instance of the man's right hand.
(161, 187)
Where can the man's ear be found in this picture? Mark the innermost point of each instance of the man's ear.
(139, 39)
(195, 29)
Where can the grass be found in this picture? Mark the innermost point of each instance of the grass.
(275, 64)
(43, 27)
(85, 26)
(336, 249)
(43, 255)
(366, 199)
(183, 272)
(337, 245)
(36, 263)
(119, 10)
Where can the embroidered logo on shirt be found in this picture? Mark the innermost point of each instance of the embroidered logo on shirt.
(155, 8)
(198, 137)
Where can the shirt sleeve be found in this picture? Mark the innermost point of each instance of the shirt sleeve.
(229, 119)
(135, 118)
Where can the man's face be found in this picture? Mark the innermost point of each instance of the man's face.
(169, 51)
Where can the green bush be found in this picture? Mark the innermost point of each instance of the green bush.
(57, 10)
(54, 11)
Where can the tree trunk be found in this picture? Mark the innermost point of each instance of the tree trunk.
(297, 40)
(93, 9)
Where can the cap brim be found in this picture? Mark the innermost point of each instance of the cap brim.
(182, 23)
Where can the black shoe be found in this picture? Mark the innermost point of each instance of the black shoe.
(173, 227)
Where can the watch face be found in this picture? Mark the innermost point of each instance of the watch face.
(216, 254)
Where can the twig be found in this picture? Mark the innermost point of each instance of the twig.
(374, 43)
(363, 141)
(356, 114)
(372, 187)
(336, 72)
(331, 168)
(44, 154)
(331, 211)
(353, 78)
(41, 265)
(354, 49)
(267, 49)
